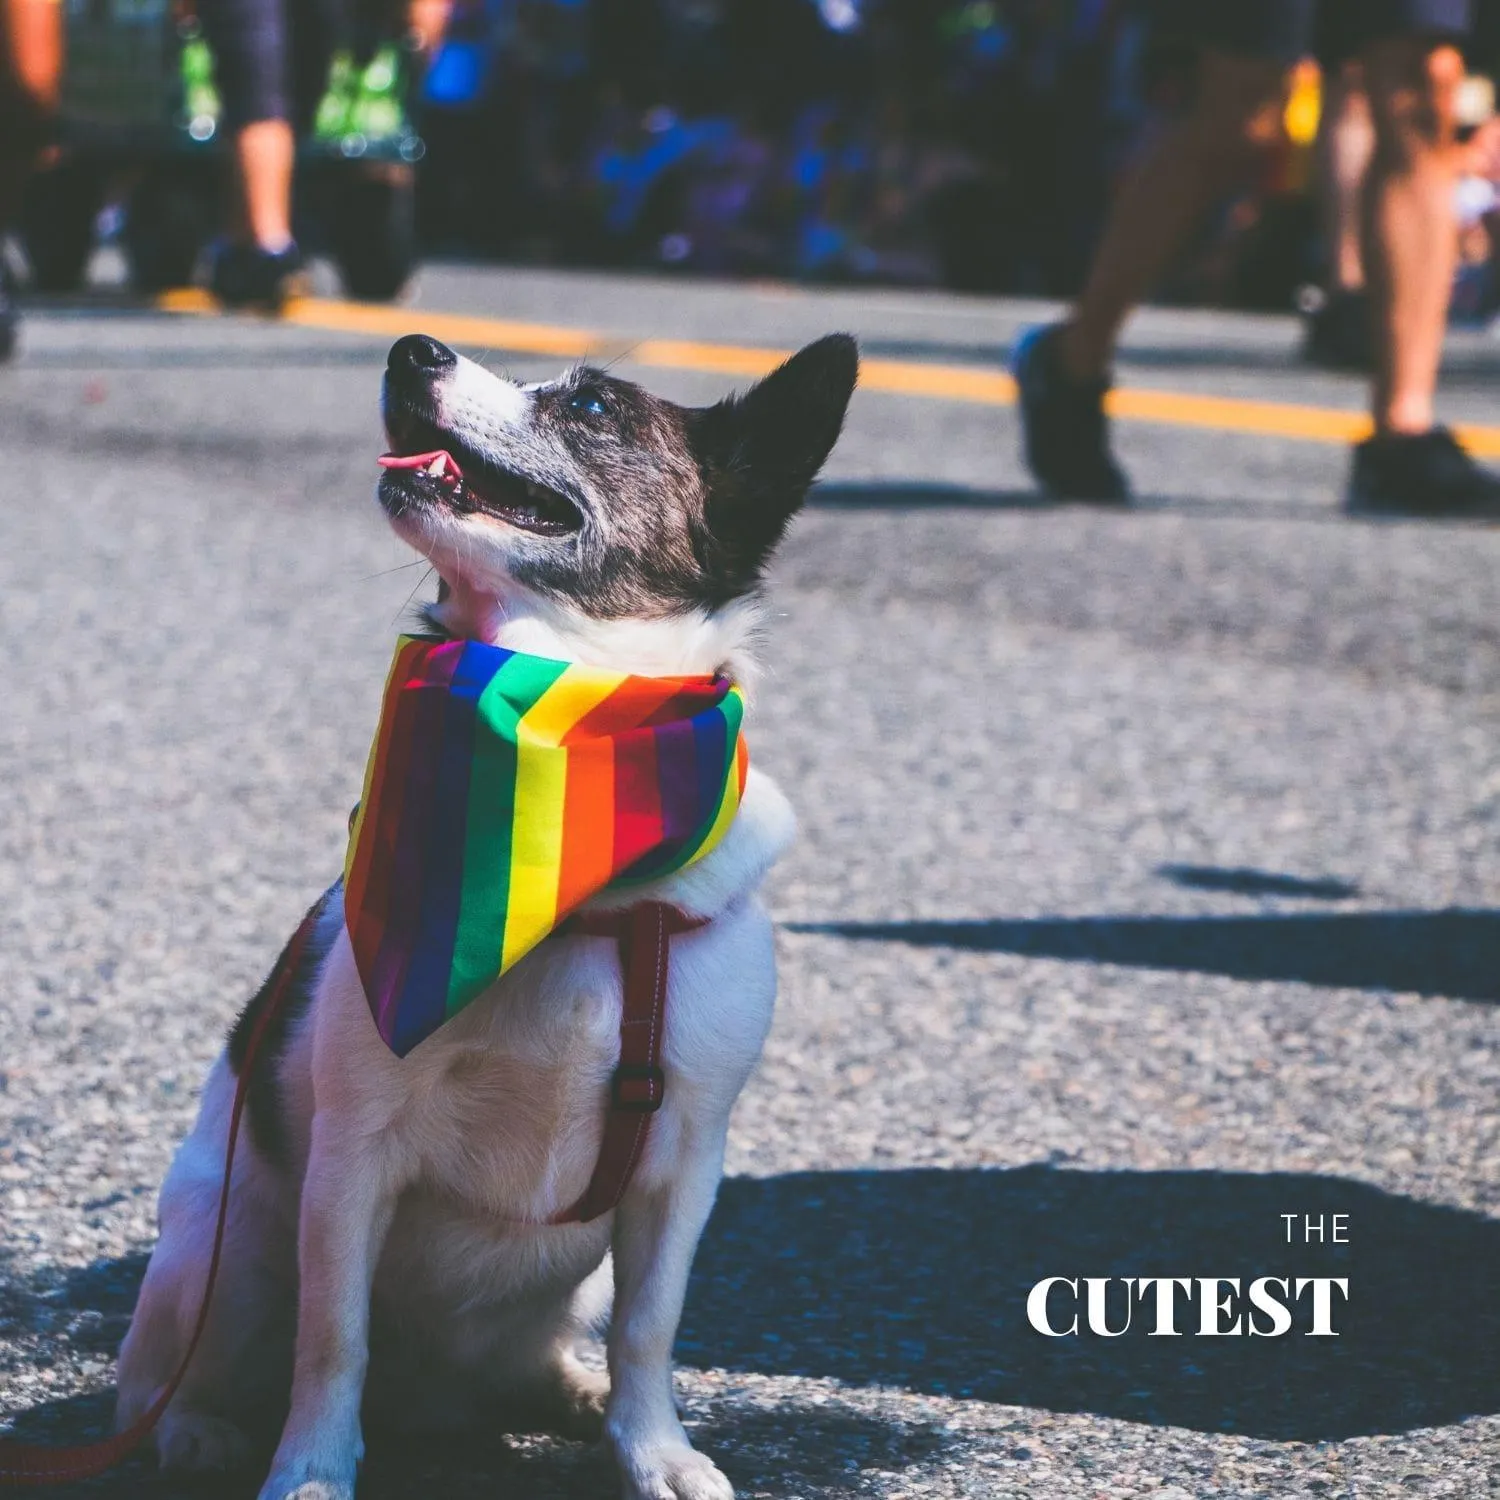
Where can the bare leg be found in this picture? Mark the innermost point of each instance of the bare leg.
(34, 46)
(1165, 196)
(1412, 466)
(1411, 235)
(1346, 142)
(31, 51)
(264, 152)
(426, 21)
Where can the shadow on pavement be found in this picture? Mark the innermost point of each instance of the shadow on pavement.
(919, 1279)
(1241, 881)
(883, 495)
(1202, 354)
(192, 357)
(1453, 953)
(1470, 361)
(789, 1448)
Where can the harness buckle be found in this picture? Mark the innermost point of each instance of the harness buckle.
(638, 1088)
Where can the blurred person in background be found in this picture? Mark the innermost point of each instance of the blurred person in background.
(273, 59)
(31, 53)
(1476, 292)
(1338, 327)
(1338, 330)
(1410, 67)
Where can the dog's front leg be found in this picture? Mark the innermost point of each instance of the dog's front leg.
(348, 1200)
(656, 1231)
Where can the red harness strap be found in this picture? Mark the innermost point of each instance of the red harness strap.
(637, 1089)
(639, 1085)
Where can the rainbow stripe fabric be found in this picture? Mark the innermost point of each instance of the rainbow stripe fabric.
(502, 791)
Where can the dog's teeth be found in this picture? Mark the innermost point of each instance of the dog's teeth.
(438, 464)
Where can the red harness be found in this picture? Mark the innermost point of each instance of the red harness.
(637, 1089)
(639, 1085)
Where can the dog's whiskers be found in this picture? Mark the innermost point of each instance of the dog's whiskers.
(416, 562)
(406, 603)
(482, 359)
(620, 357)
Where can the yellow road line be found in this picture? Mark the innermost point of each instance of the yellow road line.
(1314, 424)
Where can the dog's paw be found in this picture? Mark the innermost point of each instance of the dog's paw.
(287, 1488)
(318, 1457)
(302, 1480)
(310, 1489)
(676, 1473)
(193, 1442)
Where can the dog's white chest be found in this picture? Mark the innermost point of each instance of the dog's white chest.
(500, 1112)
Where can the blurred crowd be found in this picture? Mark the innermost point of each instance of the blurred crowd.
(970, 143)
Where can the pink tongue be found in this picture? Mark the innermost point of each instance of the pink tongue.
(415, 460)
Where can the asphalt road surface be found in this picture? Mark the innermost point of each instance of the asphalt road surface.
(1148, 890)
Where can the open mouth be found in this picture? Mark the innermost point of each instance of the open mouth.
(460, 479)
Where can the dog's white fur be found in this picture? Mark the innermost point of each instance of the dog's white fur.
(414, 1190)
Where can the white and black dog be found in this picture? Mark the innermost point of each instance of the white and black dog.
(384, 1242)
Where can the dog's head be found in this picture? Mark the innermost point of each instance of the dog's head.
(591, 504)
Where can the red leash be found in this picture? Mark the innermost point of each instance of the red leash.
(636, 1092)
(23, 1464)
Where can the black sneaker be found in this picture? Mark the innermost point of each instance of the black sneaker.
(247, 276)
(9, 317)
(1421, 474)
(1066, 431)
(1337, 336)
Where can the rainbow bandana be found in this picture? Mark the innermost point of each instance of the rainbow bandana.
(502, 791)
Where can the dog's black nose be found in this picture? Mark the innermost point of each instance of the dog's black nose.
(416, 354)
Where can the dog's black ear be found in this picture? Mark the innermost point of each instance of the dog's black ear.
(760, 452)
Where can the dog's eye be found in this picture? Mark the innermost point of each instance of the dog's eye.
(589, 401)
